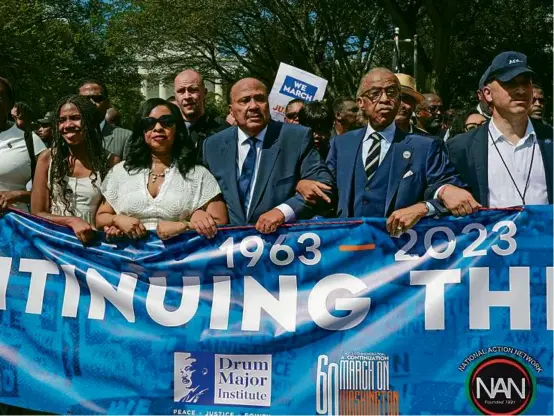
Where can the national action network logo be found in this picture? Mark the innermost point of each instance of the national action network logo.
(296, 88)
(206, 379)
(357, 385)
(500, 385)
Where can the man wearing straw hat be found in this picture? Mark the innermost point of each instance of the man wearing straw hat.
(409, 97)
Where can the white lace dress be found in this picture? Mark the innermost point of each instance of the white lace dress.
(177, 199)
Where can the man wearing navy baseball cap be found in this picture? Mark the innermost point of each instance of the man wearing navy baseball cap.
(507, 161)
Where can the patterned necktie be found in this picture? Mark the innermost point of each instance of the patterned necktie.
(245, 179)
(372, 159)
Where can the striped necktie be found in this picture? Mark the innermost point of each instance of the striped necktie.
(372, 159)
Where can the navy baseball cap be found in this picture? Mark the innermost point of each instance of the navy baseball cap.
(507, 66)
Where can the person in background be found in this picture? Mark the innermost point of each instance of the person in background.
(466, 121)
(429, 114)
(159, 187)
(447, 120)
(474, 120)
(230, 120)
(316, 116)
(115, 138)
(536, 112)
(18, 151)
(113, 117)
(292, 109)
(23, 115)
(345, 112)
(409, 99)
(259, 162)
(190, 93)
(507, 161)
(68, 177)
(46, 129)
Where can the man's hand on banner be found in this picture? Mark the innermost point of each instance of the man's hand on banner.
(312, 191)
(203, 223)
(458, 201)
(82, 229)
(405, 218)
(131, 227)
(268, 222)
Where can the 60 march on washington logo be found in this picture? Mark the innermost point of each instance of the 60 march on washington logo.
(501, 381)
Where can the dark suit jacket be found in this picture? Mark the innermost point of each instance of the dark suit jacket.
(287, 157)
(116, 139)
(422, 155)
(204, 127)
(470, 154)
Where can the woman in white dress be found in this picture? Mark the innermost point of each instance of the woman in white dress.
(159, 187)
(66, 187)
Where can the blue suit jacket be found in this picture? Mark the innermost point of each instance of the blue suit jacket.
(287, 157)
(421, 154)
(469, 153)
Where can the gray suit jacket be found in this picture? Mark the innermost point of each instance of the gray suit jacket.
(287, 156)
(116, 140)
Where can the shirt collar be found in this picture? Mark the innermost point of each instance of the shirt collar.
(102, 124)
(387, 133)
(243, 137)
(497, 135)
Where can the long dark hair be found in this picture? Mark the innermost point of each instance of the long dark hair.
(140, 155)
(97, 156)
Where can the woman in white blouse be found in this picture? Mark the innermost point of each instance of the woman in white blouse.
(66, 187)
(158, 187)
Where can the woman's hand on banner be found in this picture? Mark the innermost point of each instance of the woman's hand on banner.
(203, 223)
(131, 227)
(82, 229)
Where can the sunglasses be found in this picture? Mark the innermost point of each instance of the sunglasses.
(96, 98)
(291, 116)
(148, 123)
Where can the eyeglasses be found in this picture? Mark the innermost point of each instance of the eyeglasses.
(433, 109)
(539, 100)
(471, 126)
(291, 116)
(148, 123)
(96, 98)
(374, 94)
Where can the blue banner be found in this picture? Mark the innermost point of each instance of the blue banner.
(326, 318)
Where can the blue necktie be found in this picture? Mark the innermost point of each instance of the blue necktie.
(245, 179)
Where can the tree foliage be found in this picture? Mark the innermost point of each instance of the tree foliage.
(48, 46)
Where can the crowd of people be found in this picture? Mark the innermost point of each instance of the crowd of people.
(389, 152)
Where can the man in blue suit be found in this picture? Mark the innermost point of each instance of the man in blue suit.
(259, 162)
(381, 171)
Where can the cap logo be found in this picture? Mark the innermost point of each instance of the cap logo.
(514, 61)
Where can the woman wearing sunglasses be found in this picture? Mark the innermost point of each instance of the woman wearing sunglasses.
(66, 187)
(159, 187)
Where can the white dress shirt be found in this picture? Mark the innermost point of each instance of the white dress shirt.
(242, 152)
(502, 191)
(388, 137)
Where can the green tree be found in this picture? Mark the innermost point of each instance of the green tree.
(47, 47)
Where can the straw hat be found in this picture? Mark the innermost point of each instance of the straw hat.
(408, 87)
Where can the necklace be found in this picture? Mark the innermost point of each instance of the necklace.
(155, 176)
(522, 196)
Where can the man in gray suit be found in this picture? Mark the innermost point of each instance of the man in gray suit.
(259, 162)
(115, 138)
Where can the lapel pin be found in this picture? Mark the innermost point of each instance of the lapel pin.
(407, 154)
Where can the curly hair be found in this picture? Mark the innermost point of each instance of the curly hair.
(140, 155)
(97, 155)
